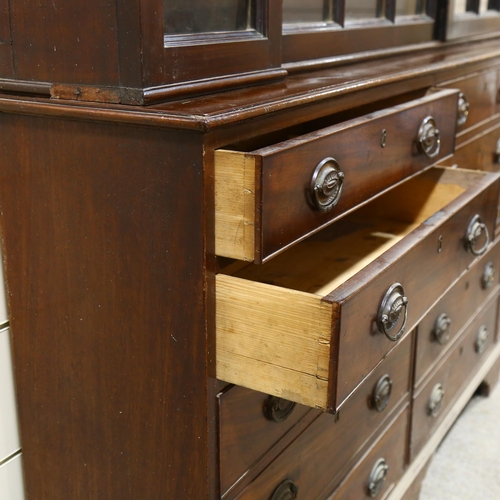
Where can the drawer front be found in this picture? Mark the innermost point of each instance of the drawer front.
(11, 479)
(9, 436)
(277, 180)
(280, 332)
(367, 479)
(250, 424)
(324, 453)
(446, 320)
(481, 92)
(481, 153)
(431, 404)
(432, 254)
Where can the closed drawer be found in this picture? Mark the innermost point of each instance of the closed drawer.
(446, 320)
(481, 153)
(11, 479)
(481, 92)
(307, 325)
(377, 473)
(9, 436)
(319, 458)
(433, 398)
(251, 423)
(265, 199)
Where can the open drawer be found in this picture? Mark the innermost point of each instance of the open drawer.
(269, 198)
(312, 323)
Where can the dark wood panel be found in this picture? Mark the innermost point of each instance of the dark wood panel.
(452, 374)
(65, 42)
(481, 91)
(479, 153)
(130, 42)
(318, 44)
(226, 58)
(104, 262)
(459, 304)
(287, 168)
(360, 344)
(323, 454)
(6, 62)
(247, 432)
(391, 446)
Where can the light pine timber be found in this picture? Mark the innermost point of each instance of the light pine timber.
(235, 205)
(273, 340)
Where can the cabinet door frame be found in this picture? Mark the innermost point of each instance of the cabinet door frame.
(341, 38)
(473, 22)
(174, 60)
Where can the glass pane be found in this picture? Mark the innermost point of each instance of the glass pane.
(364, 9)
(203, 16)
(409, 7)
(303, 11)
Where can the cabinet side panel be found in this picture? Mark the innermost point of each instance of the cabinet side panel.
(6, 65)
(102, 227)
(65, 42)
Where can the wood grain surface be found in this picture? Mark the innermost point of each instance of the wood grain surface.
(246, 433)
(325, 308)
(481, 91)
(319, 459)
(452, 373)
(105, 272)
(284, 212)
(460, 303)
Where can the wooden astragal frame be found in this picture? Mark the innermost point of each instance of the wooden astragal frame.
(204, 62)
(472, 22)
(340, 38)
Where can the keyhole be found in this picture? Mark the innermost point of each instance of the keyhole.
(383, 138)
(440, 243)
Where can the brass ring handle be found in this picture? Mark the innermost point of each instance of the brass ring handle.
(287, 490)
(488, 276)
(429, 137)
(390, 310)
(382, 393)
(326, 184)
(435, 400)
(475, 230)
(278, 409)
(442, 328)
(377, 477)
(463, 109)
(481, 339)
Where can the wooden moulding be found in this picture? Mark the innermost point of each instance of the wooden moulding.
(235, 205)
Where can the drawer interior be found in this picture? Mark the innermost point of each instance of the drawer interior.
(326, 260)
